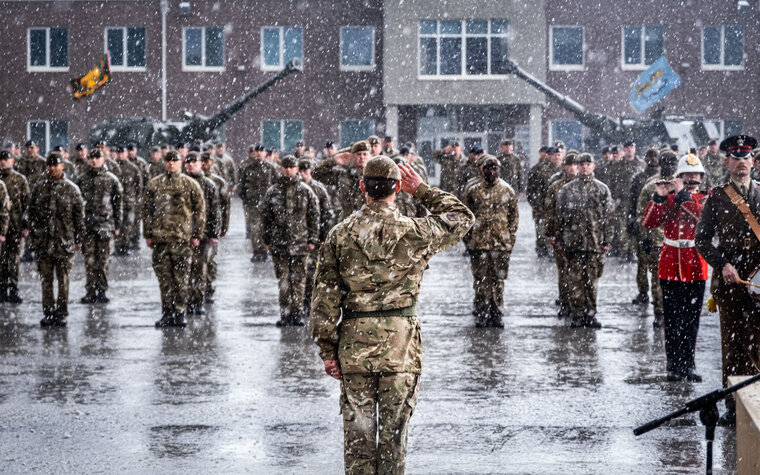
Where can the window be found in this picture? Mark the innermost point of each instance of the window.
(566, 47)
(357, 48)
(642, 46)
(203, 49)
(354, 130)
(281, 134)
(725, 128)
(48, 49)
(280, 44)
(48, 134)
(463, 47)
(722, 47)
(568, 131)
(126, 46)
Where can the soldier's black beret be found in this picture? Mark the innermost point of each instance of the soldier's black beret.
(58, 148)
(31, 143)
(182, 145)
(388, 138)
(81, 146)
(192, 157)
(552, 150)
(119, 149)
(606, 150)
(738, 146)
(507, 142)
(300, 143)
(476, 149)
(373, 140)
(195, 148)
(172, 156)
(544, 149)
(95, 154)
(329, 144)
(5, 155)
(288, 161)
(712, 142)
(584, 158)
(206, 157)
(674, 147)
(614, 149)
(131, 146)
(404, 150)
(304, 164)
(629, 143)
(53, 159)
(102, 143)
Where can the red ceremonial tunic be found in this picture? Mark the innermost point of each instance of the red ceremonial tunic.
(679, 260)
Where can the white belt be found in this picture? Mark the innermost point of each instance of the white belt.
(680, 243)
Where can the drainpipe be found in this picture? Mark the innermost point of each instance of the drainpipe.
(164, 11)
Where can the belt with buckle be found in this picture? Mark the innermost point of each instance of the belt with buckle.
(680, 243)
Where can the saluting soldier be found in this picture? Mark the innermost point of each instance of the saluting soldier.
(208, 165)
(56, 221)
(414, 160)
(290, 222)
(731, 213)
(451, 159)
(255, 177)
(370, 270)
(375, 146)
(329, 172)
(174, 220)
(535, 192)
(388, 148)
(130, 177)
(511, 165)
(490, 240)
(469, 172)
(101, 192)
(10, 251)
(349, 193)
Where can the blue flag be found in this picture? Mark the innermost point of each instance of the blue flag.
(653, 84)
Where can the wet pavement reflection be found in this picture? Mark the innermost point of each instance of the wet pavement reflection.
(231, 393)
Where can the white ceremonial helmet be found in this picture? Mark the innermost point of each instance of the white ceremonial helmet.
(689, 163)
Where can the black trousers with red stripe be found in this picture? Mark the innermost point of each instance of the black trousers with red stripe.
(682, 306)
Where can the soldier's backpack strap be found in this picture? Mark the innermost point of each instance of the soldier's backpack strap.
(739, 202)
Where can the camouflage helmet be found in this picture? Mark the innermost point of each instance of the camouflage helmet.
(382, 167)
(689, 163)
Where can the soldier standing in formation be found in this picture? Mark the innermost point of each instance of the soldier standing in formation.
(731, 213)
(142, 165)
(349, 193)
(102, 195)
(538, 183)
(130, 177)
(10, 250)
(32, 166)
(207, 163)
(255, 177)
(156, 164)
(511, 165)
(469, 172)
(619, 176)
(373, 284)
(174, 219)
(226, 166)
(56, 221)
(714, 163)
(290, 222)
(643, 253)
(450, 158)
(583, 234)
(388, 147)
(490, 240)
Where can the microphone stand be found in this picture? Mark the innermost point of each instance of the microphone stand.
(708, 414)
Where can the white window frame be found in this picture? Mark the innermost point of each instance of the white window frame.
(281, 28)
(340, 128)
(343, 67)
(46, 147)
(721, 126)
(47, 68)
(463, 36)
(281, 147)
(552, 138)
(641, 65)
(567, 67)
(721, 66)
(125, 68)
(202, 67)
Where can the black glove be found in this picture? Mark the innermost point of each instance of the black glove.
(646, 246)
(633, 227)
(682, 197)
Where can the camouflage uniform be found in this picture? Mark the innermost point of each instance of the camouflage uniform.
(134, 238)
(535, 192)
(449, 170)
(56, 223)
(349, 193)
(328, 173)
(550, 230)
(716, 172)
(326, 222)
(290, 223)
(200, 254)
(511, 170)
(102, 195)
(583, 230)
(490, 243)
(154, 169)
(174, 213)
(130, 177)
(469, 173)
(619, 175)
(255, 177)
(224, 210)
(33, 168)
(374, 282)
(643, 250)
(10, 251)
(227, 170)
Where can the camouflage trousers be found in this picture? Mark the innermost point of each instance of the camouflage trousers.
(489, 270)
(134, 238)
(171, 263)
(376, 409)
(311, 274)
(647, 268)
(211, 267)
(563, 284)
(584, 270)
(198, 273)
(542, 244)
(50, 269)
(10, 256)
(253, 227)
(97, 254)
(291, 277)
(622, 244)
(124, 239)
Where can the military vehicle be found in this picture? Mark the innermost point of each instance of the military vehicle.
(146, 132)
(657, 129)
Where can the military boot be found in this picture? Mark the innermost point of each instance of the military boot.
(167, 319)
(641, 299)
(284, 320)
(297, 319)
(209, 294)
(481, 318)
(179, 319)
(53, 321)
(88, 298)
(100, 297)
(3, 294)
(590, 321)
(13, 296)
(495, 317)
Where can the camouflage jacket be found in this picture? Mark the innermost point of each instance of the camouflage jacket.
(18, 193)
(550, 204)
(254, 179)
(290, 217)
(511, 170)
(154, 169)
(349, 193)
(174, 210)
(449, 170)
(619, 176)
(583, 220)
(55, 217)
(130, 177)
(374, 261)
(328, 172)
(5, 208)
(142, 165)
(224, 202)
(102, 194)
(326, 213)
(33, 168)
(227, 169)
(496, 217)
(469, 173)
(655, 235)
(637, 184)
(715, 168)
(213, 209)
(538, 182)
(419, 166)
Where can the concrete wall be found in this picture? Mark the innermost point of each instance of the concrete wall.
(747, 427)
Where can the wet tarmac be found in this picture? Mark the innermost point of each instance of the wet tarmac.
(231, 393)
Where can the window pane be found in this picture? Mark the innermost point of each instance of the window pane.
(733, 127)
(711, 45)
(653, 44)
(59, 133)
(428, 27)
(115, 42)
(37, 132)
(499, 55)
(136, 47)
(356, 46)
(499, 27)
(59, 47)
(293, 44)
(214, 46)
(568, 131)
(428, 55)
(293, 133)
(451, 56)
(193, 47)
(354, 130)
(271, 42)
(477, 55)
(734, 44)
(37, 48)
(632, 44)
(477, 27)
(270, 133)
(451, 27)
(567, 44)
